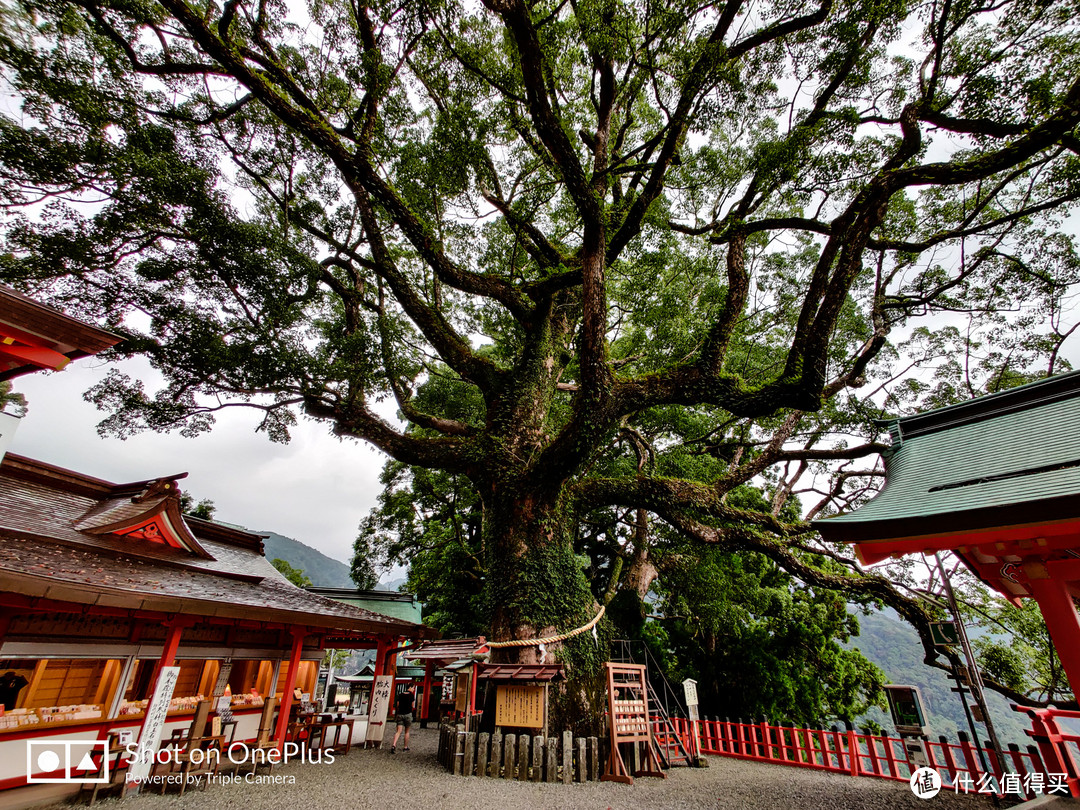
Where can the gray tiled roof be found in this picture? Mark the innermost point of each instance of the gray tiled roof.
(43, 555)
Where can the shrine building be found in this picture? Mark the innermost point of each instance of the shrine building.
(102, 585)
(996, 481)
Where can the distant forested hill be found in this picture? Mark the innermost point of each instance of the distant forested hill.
(322, 570)
(894, 646)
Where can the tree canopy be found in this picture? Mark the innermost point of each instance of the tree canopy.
(295, 575)
(608, 255)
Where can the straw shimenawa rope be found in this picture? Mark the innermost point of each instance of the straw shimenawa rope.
(531, 642)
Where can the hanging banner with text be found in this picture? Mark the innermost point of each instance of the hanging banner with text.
(153, 724)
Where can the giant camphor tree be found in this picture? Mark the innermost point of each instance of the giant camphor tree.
(609, 232)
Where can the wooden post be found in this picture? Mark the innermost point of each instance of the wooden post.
(382, 647)
(853, 752)
(472, 696)
(482, 754)
(547, 710)
(290, 685)
(172, 644)
(459, 753)
(537, 759)
(594, 759)
(581, 762)
(470, 752)
(496, 754)
(509, 741)
(523, 758)
(551, 771)
(567, 757)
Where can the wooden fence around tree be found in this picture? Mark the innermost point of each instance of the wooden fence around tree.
(523, 757)
(1049, 767)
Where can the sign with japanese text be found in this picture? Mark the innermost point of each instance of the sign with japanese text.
(521, 706)
(153, 724)
(382, 693)
(223, 678)
(690, 691)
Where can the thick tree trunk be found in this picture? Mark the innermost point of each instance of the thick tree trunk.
(640, 572)
(536, 585)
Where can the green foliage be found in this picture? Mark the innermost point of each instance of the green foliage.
(12, 400)
(430, 521)
(203, 509)
(295, 575)
(1013, 646)
(761, 645)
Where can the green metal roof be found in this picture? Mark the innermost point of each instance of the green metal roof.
(1008, 458)
(367, 674)
(396, 604)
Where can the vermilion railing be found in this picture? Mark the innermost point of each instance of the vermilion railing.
(963, 766)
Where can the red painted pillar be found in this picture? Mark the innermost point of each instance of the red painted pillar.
(472, 698)
(429, 670)
(1059, 611)
(290, 685)
(168, 652)
(383, 646)
(167, 659)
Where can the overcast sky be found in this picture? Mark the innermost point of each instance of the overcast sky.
(314, 489)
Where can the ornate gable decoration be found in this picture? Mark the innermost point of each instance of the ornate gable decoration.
(151, 516)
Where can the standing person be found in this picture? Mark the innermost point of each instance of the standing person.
(403, 712)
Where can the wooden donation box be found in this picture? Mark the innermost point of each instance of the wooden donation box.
(628, 706)
(519, 706)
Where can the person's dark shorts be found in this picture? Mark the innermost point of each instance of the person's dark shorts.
(403, 719)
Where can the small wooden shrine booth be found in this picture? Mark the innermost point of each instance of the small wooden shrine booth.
(518, 695)
(460, 654)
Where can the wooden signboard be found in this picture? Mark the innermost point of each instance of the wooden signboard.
(461, 703)
(382, 693)
(521, 706)
(628, 710)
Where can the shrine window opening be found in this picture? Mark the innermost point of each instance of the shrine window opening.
(306, 673)
(46, 691)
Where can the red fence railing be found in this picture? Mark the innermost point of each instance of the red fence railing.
(1052, 767)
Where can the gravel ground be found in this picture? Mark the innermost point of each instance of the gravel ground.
(379, 780)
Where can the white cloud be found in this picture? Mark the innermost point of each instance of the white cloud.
(314, 489)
